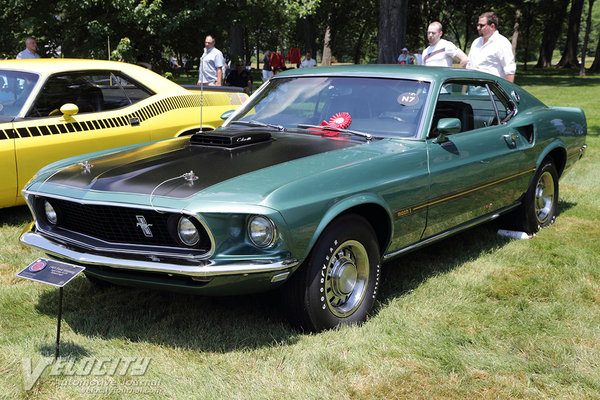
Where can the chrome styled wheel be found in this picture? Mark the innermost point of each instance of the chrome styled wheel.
(538, 208)
(544, 197)
(338, 282)
(346, 278)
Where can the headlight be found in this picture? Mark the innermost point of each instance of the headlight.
(261, 231)
(50, 213)
(187, 231)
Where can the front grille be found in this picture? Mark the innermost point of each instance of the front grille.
(121, 225)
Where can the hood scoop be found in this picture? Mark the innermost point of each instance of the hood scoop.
(229, 140)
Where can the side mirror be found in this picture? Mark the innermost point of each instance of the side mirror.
(226, 114)
(69, 109)
(447, 126)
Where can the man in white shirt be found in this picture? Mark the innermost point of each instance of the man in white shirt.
(211, 64)
(492, 52)
(308, 61)
(30, 51)
(441, 52)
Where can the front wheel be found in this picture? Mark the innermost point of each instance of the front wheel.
(338, 282)
(539, 203)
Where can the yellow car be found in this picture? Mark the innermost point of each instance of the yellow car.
(56, 108)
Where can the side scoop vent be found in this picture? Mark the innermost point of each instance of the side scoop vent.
(229, 139)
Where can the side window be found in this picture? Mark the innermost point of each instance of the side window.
(506, 108)
(473, 104)
(119, 90)
(15, 89)
(91, 91)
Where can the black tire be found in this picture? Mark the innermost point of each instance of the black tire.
(538, 209)
(338, 282)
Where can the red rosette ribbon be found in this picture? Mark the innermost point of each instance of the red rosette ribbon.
(340, 120)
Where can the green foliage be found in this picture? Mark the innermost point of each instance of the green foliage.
(474, 316)
(124, 51)
(157, 28)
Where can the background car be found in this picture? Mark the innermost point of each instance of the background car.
(56, 108)
(322, 175)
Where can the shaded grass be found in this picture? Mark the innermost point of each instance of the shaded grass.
(474, 316)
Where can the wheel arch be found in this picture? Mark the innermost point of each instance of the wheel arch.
(558, 153)
(371, 208)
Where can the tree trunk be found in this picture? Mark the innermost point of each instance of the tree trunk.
(528, 18)
(326, 59)
(247, 48)
(569, 58)
(596, 64)
(359, 45)
(236, 41)
(392, 30)
(555, 17)
(515, 35)
(257, 51)
(310, 37)
(588, 26)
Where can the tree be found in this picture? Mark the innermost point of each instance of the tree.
(569, 58)
(595, 67)
(392, 30)
(555, 12)
(588, 27)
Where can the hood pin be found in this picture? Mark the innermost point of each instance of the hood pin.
(86, 167)
(190, 177)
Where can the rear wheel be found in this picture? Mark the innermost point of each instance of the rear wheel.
(338, 282)
(539, 204)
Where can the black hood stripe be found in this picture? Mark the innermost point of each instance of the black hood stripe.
(148, 172)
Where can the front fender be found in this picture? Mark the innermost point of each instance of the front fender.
(344, 206)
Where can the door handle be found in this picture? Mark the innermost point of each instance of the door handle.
(511, 140)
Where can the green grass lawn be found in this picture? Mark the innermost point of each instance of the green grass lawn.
(474, 316)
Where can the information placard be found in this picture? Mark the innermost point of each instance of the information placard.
(51, 272)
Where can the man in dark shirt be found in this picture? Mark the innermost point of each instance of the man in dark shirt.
(240, 77)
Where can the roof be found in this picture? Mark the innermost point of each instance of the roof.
(417, 72)
(47, 66)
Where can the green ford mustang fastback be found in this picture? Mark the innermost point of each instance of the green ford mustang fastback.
(322, 175)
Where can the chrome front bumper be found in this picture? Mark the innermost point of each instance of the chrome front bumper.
(203, 269)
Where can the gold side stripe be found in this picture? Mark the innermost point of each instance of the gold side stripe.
(410, 210)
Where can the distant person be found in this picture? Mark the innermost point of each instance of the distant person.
(405, 57)
(492, 52)
(308, 61)
(267, 71)
(174, 65)
(419, 56)
(212, 62)
(30, 50)
(441, 52)
(240, 77)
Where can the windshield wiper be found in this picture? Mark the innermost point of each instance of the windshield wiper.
(367, 136)
(258, 123)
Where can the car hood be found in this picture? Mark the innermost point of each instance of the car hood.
(178, 168)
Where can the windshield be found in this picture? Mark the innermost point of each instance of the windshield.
(15, 88)
(381, 107)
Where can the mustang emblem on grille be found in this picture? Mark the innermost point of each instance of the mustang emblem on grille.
(144, 225)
